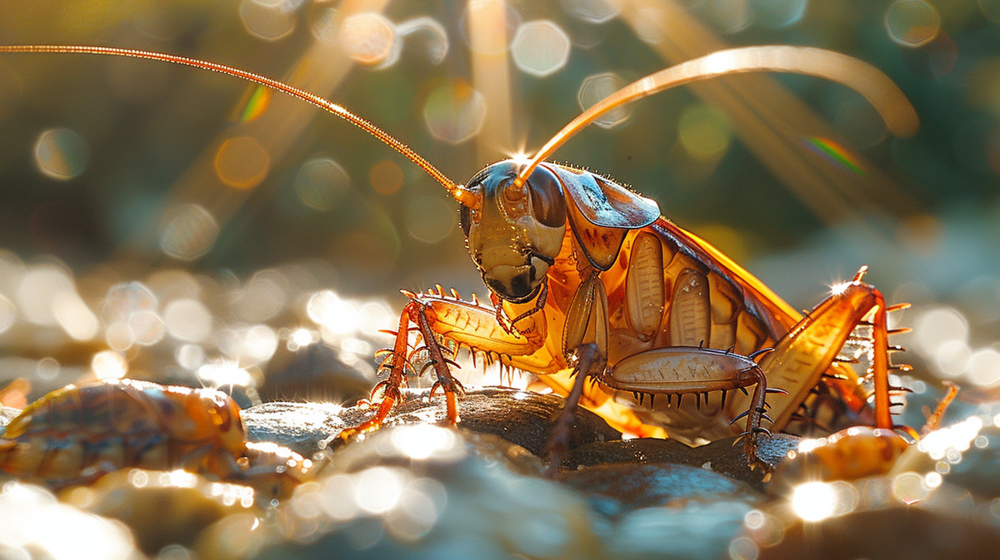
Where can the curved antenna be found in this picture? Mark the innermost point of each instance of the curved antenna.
(899, 115)
(463, 195)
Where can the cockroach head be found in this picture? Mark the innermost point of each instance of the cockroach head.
(517, 230)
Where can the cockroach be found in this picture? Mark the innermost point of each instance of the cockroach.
(77, 434)
(587, 279)
(855, 452)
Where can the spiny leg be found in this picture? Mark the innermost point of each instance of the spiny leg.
(810, 348)
(755, 414)
(452, 388)
(395, 362)
(586, 363)
(934, 420)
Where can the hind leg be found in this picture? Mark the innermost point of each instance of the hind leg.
(810, 350)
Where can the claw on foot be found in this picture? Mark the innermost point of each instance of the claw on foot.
(452, 390)
(374, 423)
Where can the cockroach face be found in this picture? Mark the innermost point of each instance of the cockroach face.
(516, 233)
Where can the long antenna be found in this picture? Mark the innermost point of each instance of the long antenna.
(899, 115)
(457, 191)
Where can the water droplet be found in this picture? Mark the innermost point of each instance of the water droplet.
(593, 11)
(369, 37)
(990, 9)
(242, 163)
(429, 32)
(269, 20)
(540, 48)
(386, 177)
(8, 313)
(190, 356)
(912, 23)
(454, 112)
(730, 16)
(594, 89)
(776, 14)
(984, 367)
(430, 218)
(321, 183)
(704, 132)
(189, 231)
(37, 289)
(61, 153)
(188, 319)
(48, 368)
(109, 364)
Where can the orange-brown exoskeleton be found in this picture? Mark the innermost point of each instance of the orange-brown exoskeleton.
(587, 279)
(77, 434)
(855, 452)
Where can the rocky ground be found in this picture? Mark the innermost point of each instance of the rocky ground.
(483, 490)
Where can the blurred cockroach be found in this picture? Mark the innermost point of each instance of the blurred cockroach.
(587, 279)
(855, 452)
(77, 434)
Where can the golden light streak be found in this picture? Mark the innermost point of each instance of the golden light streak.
(491, 75)
(760, 110)
(888, 99)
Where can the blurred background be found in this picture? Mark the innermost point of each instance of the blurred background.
(184, 226)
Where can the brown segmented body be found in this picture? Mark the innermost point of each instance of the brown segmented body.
(675, 369)
(697, 299)
(644, 283)
(78, 432)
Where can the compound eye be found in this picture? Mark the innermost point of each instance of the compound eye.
(548, 204)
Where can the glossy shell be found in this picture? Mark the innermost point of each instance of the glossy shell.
(82, 432)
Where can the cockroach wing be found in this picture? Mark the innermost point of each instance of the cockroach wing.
(604, 203)
(602, 213)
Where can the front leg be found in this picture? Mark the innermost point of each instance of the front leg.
(440, 317)
(585, 345)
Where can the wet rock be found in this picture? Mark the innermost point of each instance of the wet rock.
(422, 492)
(719, 456)
(696, 530)
(619, 488)
(301, 427)
(521, 417)
(899, 532)
(965, 453)
(312, 373)
(34, 525)
(161, 508)
(235, 536)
